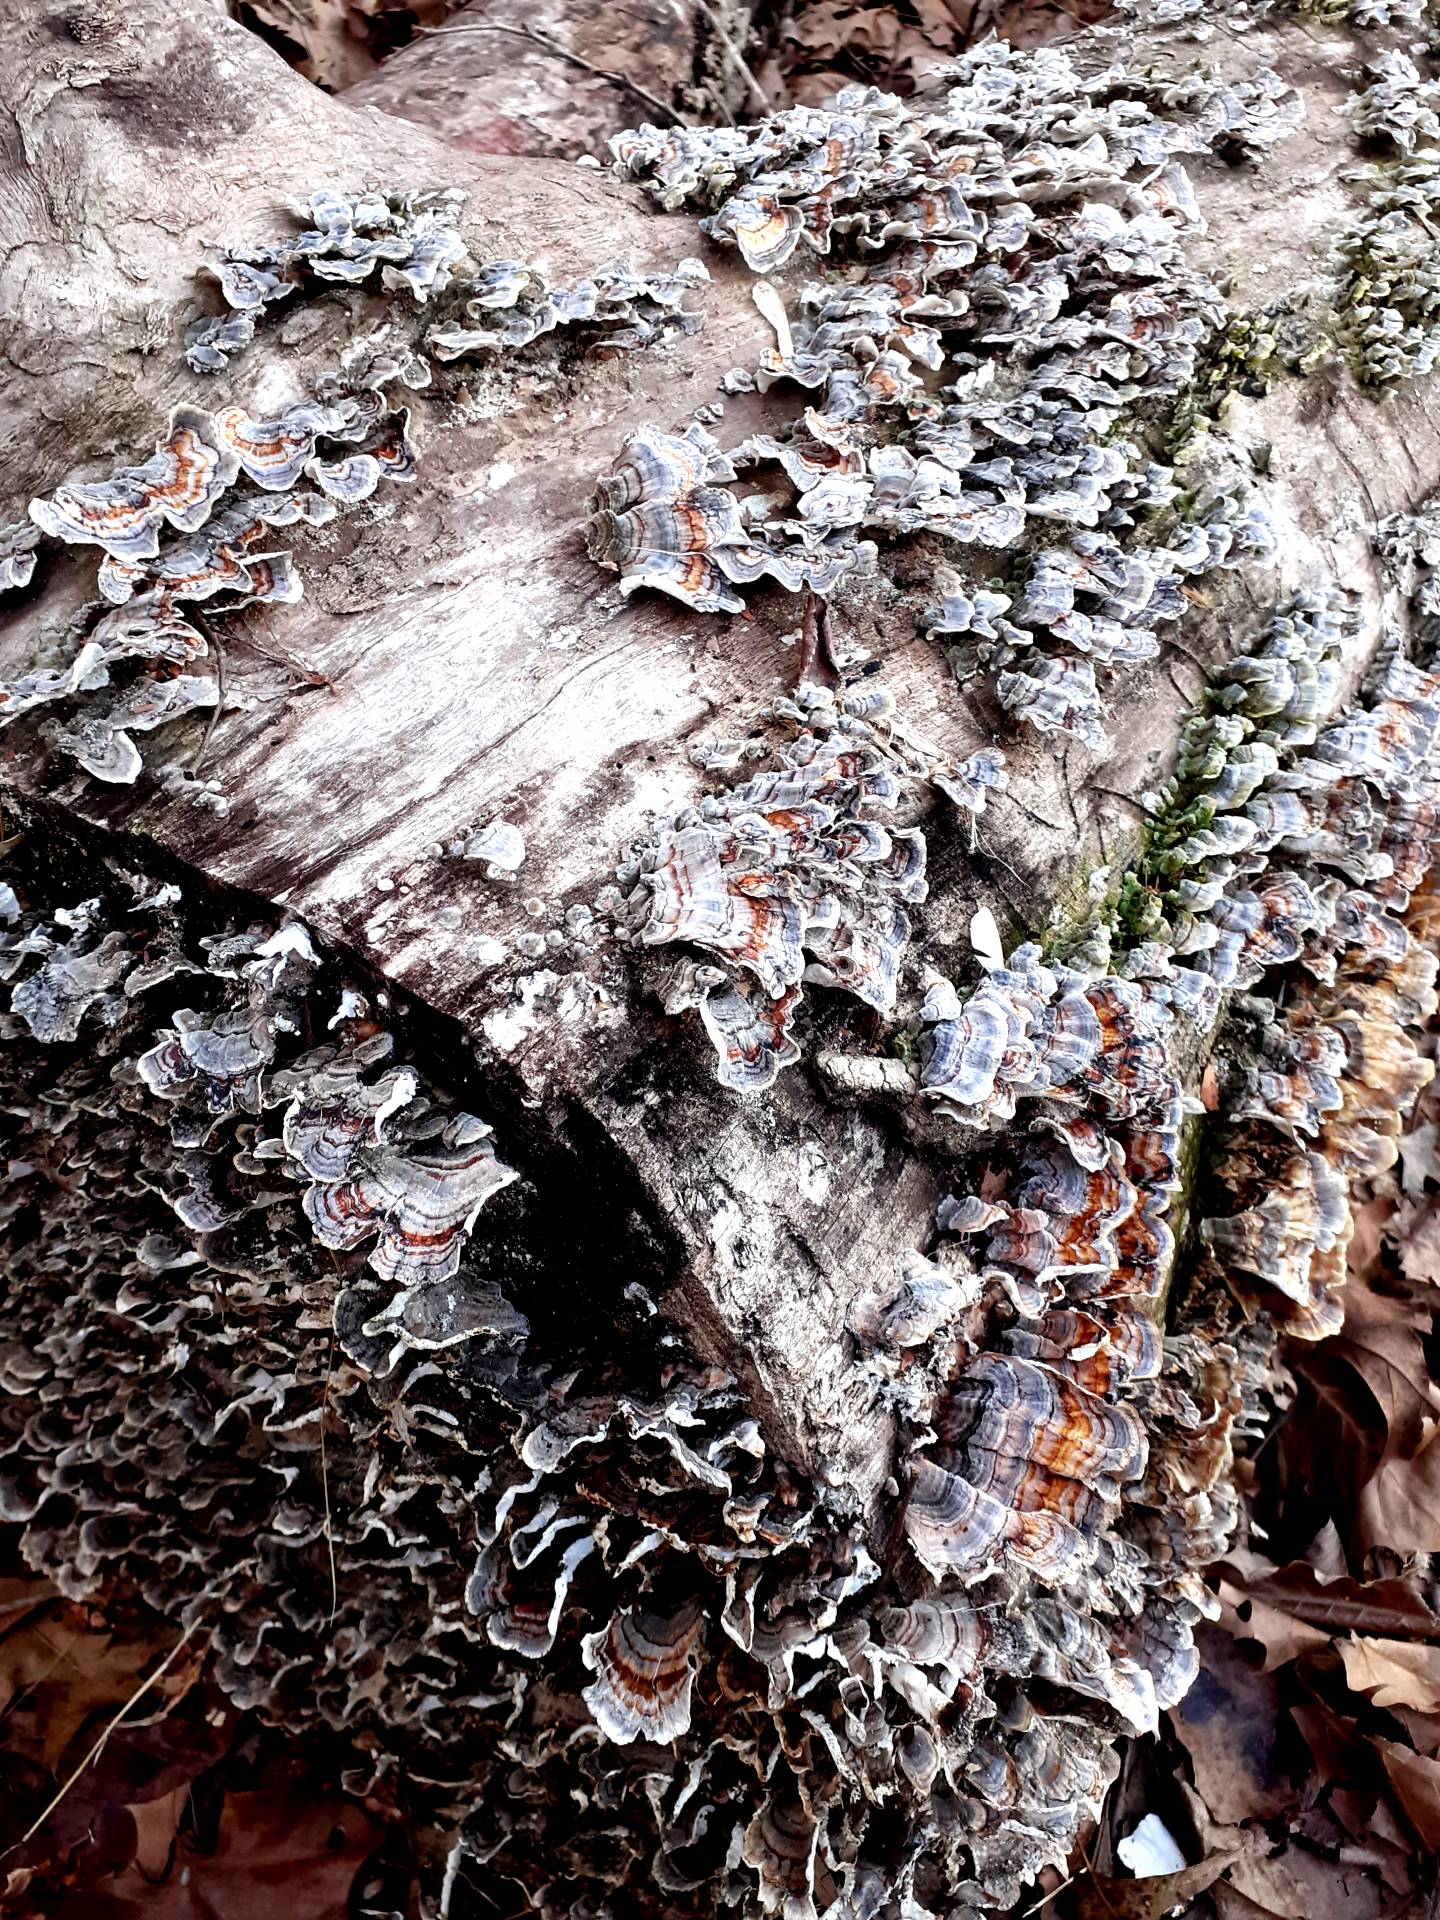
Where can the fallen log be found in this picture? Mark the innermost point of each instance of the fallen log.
(433, 817)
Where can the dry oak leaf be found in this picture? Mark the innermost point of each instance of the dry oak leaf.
(1400, 1508)
(1362, 1256)
(1101, 1897)
(1419, 1248)
(1229, 1724)
(55, 1673)
(1416, 1781)
(1395, 1673)
(1299, 1883)
(1393, 1609)
(321, 38)
(1284, 1636)
(276, 1852)
(1418, 1158)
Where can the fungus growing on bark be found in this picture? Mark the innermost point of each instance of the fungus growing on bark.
(1030, 212)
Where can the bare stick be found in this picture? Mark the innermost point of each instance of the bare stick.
(95, 1751)
(737, 60)
(325, 1479)
(543, 41)
(213, 722)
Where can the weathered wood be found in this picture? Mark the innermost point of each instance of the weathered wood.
(476, 663)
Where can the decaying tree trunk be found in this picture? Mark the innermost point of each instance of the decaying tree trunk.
(459, 659)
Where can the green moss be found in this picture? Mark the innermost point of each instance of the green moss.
(1255, 347)
(1388, 298)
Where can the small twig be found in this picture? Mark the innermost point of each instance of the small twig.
(989, 852)
(1029, 812)
(1128, 798)
(1069, 795)
(311, 676)
(99, 1746)
(1105, 1899)
(1170, 676)
(543, 40)
(732, 52)
(325, 1481)
(213, 722)
(1046, 1898)
(1185, 653)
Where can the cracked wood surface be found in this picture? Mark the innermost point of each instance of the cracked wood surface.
(462, 659)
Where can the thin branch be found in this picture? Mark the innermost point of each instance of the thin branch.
(1029, 812)
(757, 93)
(99, 1746)
(1069, 795)
(325, 1479)
(554, 47)
(213, 722)
(1046, 1898)
(1128, 798)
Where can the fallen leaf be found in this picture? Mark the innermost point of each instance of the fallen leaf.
(1417, 1158)
(1231, 1904)
(1395, 1673)
(1392, 1608)
(1419, 1249)
(56, 1673)
(1228, 1723)
(315, 36)
(1416, 1781)
(1297, 1883)
(1104, 1898)
(1423, 1729)
(1283, 1636)
(274, 1852)
(1400, 1508)
(1371, 1220)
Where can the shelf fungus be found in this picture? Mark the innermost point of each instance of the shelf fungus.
(411, 243)
(789, 878)
(1025, 215)
(507, 305)
(661, 520)
(257, 1320)
(200, 522)
(406, 240)
(199, 519)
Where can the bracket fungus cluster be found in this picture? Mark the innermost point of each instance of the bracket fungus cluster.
(789, 877)
(198, 520)
(277, 1343)
(1034, 215)
(577, 1593)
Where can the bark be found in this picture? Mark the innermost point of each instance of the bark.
(470, 661)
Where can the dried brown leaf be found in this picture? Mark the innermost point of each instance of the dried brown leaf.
(1102, 1897)
(55, 1674)
(327, 47)
(1419, 1250)
(1371, 1221)
(1395, 1673)
(1229, 1725)
(1284, 1636)
(1416, 1780)
(1400, 1508)
(1393, 1609)
(273, 1853)
(1298, 1883)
